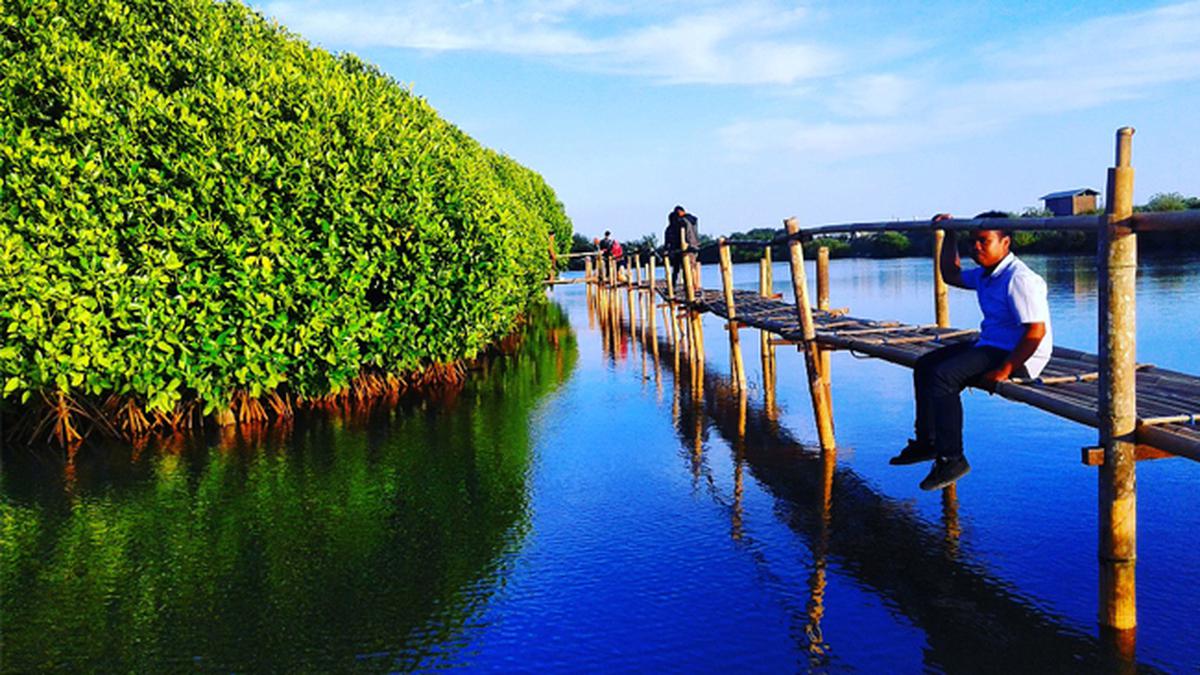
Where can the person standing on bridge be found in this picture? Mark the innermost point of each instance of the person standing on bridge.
(1014, 341)
(681, 228)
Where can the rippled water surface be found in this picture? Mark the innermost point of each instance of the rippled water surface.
(591, 502)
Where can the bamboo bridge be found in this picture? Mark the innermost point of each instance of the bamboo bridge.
(1141, 411)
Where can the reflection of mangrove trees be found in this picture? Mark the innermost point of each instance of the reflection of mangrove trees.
(354, 541)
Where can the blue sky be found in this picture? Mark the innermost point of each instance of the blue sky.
(753, 111)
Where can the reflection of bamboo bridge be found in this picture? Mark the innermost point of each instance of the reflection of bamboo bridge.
(875, 540)
(1141, 412)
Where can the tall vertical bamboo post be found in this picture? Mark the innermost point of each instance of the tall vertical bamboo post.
(689, 294)
(941, 310)
(635, 278)
(735, 343)
(629, 294)
(1117, 260)
(941, 292)
(651, 299)
(812, 356)
(690, 261)
(696, 316)
(652, 286)
(767, 349)
(823, 304)
(669, 305)
(770, 272)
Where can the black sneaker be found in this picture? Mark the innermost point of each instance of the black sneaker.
(945, 471)
(914, 453)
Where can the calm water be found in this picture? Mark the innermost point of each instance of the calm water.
(583, 504)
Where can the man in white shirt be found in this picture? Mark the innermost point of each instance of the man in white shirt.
(1014, 341)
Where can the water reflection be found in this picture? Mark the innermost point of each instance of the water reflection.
(971, 619)
(359, 540)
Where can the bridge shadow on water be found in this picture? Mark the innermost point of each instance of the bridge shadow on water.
(973, 619)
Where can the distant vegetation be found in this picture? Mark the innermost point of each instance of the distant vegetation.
(898, 245)
(198, 208)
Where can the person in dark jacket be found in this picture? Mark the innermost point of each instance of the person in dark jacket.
(681, 228)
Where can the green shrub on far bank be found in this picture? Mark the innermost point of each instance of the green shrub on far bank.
(195, 203)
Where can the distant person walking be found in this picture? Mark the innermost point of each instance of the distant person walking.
(681, 229)
(1014, 341)
(606, 243)
(611, 248)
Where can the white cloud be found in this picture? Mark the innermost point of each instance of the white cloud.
(1102, 61)
(756, 43)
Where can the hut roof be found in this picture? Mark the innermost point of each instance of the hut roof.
(1070, 193)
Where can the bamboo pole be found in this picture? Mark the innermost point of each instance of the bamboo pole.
(651, 297)
(695, 345)
(812, 357)
(770, 273)
(629, 300)
(941, 292)
(735, 344)
(823, 304)
(635, 282)
(767, 349)
(670, 280)
(1117, 253)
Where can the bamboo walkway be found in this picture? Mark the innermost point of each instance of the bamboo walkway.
(1140, 411)
(1168, 402)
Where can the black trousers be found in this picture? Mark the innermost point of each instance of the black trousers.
(676, 267)
(938, 379)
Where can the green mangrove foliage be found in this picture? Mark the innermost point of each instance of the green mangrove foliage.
(195, 203)
(372, 537)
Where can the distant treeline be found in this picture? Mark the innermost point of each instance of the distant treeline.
(901, 244)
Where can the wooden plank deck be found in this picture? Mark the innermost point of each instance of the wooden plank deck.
(1067, 387)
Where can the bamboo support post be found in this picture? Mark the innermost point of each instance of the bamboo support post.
(823, 305)
(629, 300)
(670, 279)
(941, 292)
(652, 327)
(694, 326)
(1117, 253)
(812, 357)
(766, 347)
(770, 292)
(651, 295)
(735, 345)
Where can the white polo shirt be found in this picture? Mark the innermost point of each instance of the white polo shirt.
(1011, 296)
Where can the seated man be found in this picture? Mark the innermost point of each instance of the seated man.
(1014, 340)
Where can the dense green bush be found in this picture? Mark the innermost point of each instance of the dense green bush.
(194, 202)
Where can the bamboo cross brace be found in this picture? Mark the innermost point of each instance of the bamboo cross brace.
(922, 338)
(1184, 418)
(882, 329)
(1070, 379)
